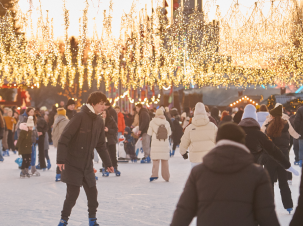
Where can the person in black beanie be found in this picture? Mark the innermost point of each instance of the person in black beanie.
(227, 188)
(112, 112)
(70, 108)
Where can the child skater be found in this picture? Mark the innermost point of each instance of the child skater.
(24, 145)
(129, 144)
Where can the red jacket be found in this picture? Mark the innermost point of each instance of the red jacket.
(121, 123)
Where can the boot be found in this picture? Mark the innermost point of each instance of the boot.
(58, 177)
(62, 223)
(38, 166)
(300, 163)
(7, 153)
(22, 173)
(153, 178)
(93, 222)
(26, 173)
(49, 164)
(34, 171)
(118, 173)
(105, 173)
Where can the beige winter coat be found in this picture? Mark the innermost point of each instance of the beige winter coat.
(58, 127)
(199, 137)
(159, 148)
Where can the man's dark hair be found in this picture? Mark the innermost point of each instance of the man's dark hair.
(107, 103)
(96, 97)
(139, 105)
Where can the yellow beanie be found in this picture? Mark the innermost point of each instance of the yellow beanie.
(61, 111)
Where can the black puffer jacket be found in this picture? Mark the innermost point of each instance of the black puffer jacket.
(112, 112)
(258, 143)
(298, 122)
(112, 133)
(177, 131)
(83, 133)
(41, 125)
(70, 113)
(227, 189)
(144, 120)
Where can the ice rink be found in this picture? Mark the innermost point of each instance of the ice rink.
(129, 200)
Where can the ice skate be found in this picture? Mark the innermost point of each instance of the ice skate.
(15, 152)
(48, 164)
(118, 173)
(34, 171)
(289, 210)
(26, 173)
(146, 160)
(300, 163)
(153, 178)
(58, 177)
(296, 163)
(93, 222)
(62, 223)
(22, 174)
(105, 173)
(7, 153)
(38, 166)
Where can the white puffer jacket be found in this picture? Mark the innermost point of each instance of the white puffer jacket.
(199, 137)
(159, 148)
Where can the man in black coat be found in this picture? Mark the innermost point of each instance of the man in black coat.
(111, 111)
(144, 120)
(298, 123)
(75, 153)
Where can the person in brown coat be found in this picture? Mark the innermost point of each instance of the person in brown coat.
(227, 188)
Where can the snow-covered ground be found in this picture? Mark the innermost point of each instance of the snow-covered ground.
(128, 200)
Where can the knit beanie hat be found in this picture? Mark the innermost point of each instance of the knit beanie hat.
(200, 109)
(250, 112)
(159, 112)
(70, 102)
(61, 111)
(231, 131)
(30, 121)
(277, 111)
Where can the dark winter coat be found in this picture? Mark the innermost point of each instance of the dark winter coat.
(24, 143)
(113, 113)
(112, 133)
(70, 113)
(215, 114)
(225, 119)
(238, 116)
(41, 125)
(227, 189)
(1, 133)
(144, 120)
(83, 133)
(258, 143)
(297, 219)
(298, 122)
(177, 132)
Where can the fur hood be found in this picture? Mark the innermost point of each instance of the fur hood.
(200, 120)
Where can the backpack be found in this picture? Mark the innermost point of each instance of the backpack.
(162, 133)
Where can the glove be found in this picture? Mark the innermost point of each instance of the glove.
(292, 170)
(185, 156)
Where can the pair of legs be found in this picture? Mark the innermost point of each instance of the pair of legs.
(276, 171)
(146, 145)
(41, 152)
(10, 140)
(33, 161)
(1, 151)
(26, 161)
(112, 150)
(164, 169)
(300, 149)
(72, 194)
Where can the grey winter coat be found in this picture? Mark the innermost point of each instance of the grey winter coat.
(83, 133)
(58, 127)
(227, 189)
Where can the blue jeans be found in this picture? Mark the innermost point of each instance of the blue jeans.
(33, 162)
(300, 149)
(1, 153)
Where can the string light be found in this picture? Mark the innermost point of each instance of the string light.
(231, 50)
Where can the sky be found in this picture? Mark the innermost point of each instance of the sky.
(96, 8)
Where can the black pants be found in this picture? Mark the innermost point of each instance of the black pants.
(10, 140)
(41, 151)
(26, 161)
(58, 170)
(72, 195)
(130, 150)
(275, 170)
(113, 154)
(46, 154)
(296, 149)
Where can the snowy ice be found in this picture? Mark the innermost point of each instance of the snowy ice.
(129, 200)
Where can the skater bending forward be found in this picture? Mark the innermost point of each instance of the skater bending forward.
(75, 153)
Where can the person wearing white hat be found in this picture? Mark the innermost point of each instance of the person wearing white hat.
(199, 137)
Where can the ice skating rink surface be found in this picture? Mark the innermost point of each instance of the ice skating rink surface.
(129, 200)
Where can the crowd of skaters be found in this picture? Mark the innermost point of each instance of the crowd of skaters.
(243, 152)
